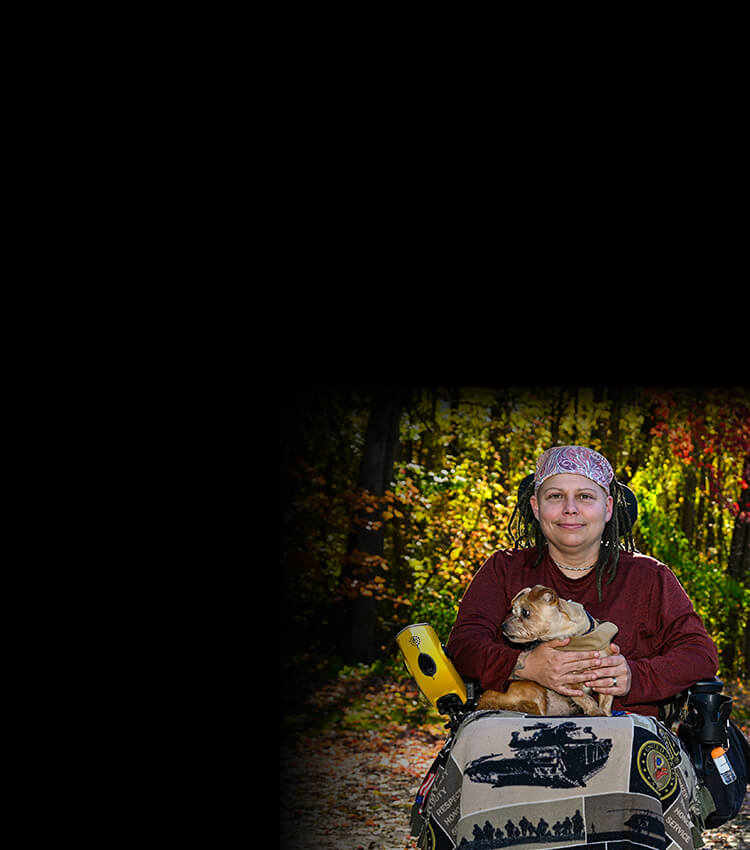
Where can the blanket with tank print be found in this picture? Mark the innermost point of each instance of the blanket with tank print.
(530, 783)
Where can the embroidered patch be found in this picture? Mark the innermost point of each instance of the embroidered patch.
(656, 769)
(669, 742)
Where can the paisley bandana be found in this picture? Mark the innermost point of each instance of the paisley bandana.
(575, 459)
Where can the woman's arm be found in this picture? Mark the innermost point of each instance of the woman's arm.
(682, 653)
(685, 655)
(473, 645)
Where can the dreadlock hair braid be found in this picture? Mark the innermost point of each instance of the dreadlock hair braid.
(617, 536)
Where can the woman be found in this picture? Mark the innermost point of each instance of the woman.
(571, 521)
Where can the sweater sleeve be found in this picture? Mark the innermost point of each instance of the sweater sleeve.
(685, 653)
(473, 644)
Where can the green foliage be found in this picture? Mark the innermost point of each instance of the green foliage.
(722, 602)
(460, 458)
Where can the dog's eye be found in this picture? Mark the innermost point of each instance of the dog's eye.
(524, 612)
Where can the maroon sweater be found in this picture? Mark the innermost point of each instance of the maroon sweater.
(660, 635)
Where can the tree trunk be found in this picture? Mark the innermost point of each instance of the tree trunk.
(643, 443)
(612, 449)
(454, 445)
(375, 474)
(500, 413)
(557, 413)
(738, 568)
(432, 450)
(700, 518)
(599, 429)
(687, 509)
(574, 438)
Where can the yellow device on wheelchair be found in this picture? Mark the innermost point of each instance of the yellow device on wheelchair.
(433, 671)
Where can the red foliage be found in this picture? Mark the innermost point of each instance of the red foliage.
(702, 439)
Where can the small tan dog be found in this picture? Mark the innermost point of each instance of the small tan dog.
(538, 614)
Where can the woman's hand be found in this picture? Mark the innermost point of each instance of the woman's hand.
(562, 671)
(612, 675)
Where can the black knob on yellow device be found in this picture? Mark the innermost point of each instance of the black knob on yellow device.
(427, 664)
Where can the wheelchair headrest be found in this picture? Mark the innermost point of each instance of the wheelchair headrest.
(631, 503)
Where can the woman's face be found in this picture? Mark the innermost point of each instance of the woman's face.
(572, 511)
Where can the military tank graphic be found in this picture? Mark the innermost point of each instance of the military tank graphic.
(560, 755)
(642, 826)
(644, 821)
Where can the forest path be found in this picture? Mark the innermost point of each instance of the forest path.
(354, 791)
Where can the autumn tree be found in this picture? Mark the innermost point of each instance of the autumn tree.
(738, 566)
(364, 562)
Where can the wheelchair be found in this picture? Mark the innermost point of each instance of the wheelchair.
(699, 715)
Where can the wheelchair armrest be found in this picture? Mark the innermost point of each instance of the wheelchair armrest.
(670, 710)
(707, 686)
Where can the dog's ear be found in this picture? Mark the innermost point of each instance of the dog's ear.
(540, 593)
(520, 593)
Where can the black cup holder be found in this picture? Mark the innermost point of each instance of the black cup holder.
(708, 712)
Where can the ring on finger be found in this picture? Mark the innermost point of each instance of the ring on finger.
(614, 681)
